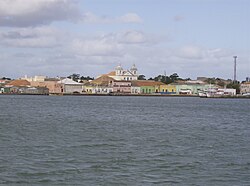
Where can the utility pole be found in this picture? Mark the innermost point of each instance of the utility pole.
(235, 57)
(165, 78)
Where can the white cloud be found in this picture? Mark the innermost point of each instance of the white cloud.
(96, 54)
(21, 13)
(89, 17)
(113, 44)
(96, 47)
(190, 52)
(132, 36)
(130, 18)
(220, 53)
(38, 37)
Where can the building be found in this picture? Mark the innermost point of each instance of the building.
(121, 86)
(101, 85)
(33, 90)
(167, 89)
(245, 88)
(50, 83)
(146, 86)
(226, 91)
(192, 88)
(18, 83)
(35, 78)
(124, 75)
(135, 88)
(69, 86)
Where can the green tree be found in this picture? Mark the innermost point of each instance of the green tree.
(211, 80)
(174, 77)
(235, 85)
(141, 77)
(86, 78)
(74, 77)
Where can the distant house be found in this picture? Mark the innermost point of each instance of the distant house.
(18, 83)
(192, 88)
(226, 91)
(101, 85)
(35, 78)
(4, 81)
(245, 88)
(69, 86)
(168, 89)
(50, 83)
(146, 86)
(120, 86)
(33, 90)
(23, 87)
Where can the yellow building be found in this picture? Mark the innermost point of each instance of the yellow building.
(167, 89)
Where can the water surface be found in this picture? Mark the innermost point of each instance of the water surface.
(67, 140)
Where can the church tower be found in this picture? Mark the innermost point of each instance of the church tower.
(118, 70)
(133, 70)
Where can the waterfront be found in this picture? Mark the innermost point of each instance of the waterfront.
(111, 140)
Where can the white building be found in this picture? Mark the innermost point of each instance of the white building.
(245, 88)
(226, 91)
(35, 78)
(69, 86)
(126, 75)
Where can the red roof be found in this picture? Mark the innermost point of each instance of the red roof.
(141, 83)
(19, 83)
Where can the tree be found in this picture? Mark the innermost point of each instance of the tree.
(221, 83)
(74, 77)
(174, 77)
(141, 77)
(86, 78)
(5, 78)
(211, 80)
(235, 85)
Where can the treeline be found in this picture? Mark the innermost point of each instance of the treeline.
(164, 79)
(5, 78)
(79, 78)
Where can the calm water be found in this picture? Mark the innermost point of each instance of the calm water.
(60, 140)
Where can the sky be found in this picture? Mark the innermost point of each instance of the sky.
(192, 38)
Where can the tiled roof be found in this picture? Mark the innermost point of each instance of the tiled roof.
(18, 82)
(141, 83)
(68, 81)
(102, 80)
(111, 73)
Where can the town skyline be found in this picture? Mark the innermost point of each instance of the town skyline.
(190, 38)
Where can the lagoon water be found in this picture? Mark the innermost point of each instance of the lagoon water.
(85, 140)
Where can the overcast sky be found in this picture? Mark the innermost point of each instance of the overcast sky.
(91, 37)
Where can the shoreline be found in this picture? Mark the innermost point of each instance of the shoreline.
(137, 95)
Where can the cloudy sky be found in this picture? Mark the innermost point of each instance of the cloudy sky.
(91, 37)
